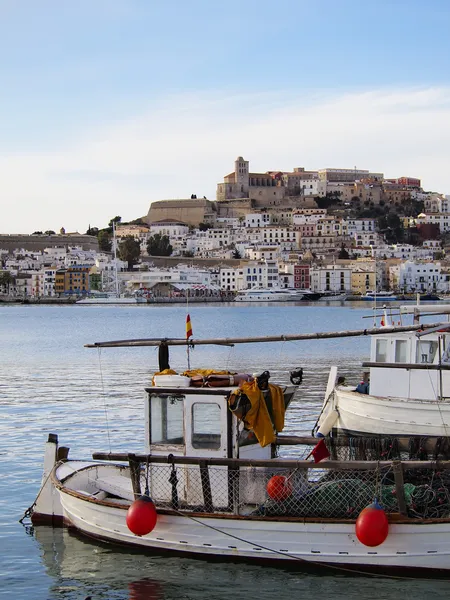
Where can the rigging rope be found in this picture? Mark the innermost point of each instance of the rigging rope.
(104, 398)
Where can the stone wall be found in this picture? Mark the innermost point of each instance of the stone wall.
(191, 211)
(40, 242)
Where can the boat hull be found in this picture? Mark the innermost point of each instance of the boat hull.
(111, 300)
(365, 414)
(407, 546)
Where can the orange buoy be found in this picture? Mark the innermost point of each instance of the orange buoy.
(372, 526)
(279, 487)
(142, 516)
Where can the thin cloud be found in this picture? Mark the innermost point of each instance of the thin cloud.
(188, 143)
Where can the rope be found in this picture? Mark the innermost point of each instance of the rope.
(298, 558)
(104, 398)
(30, 510)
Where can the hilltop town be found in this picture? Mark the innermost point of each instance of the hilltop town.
(329, 231)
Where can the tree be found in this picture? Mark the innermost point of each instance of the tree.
(159, 245)
(6, 279)
(49, 232)
(37, 233)
(104, 240)
(92, 231)
(343, 252)
(236, 253)
(114, 220)
(130, 250)
(204, 226)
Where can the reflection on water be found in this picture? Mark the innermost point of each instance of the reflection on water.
(80, 568)
(94, 400)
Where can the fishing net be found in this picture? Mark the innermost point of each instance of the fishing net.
(299, 493)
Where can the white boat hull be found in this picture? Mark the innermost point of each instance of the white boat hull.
(375, 415)
(408, 545)
(426, 546)
(111, 300)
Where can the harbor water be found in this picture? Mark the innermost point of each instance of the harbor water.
(93, 399)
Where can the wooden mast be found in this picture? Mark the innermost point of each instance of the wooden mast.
(268, 338)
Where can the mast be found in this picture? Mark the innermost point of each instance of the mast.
(116, 274)
(264, 339)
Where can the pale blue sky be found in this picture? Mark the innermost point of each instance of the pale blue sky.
(106, 105)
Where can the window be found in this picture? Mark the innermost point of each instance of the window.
(166, 419)
(426, 351)
(400, 351)
(206, 426)
(381, 351)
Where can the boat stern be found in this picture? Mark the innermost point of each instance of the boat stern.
(47, 507)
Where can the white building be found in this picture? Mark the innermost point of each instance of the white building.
(405, 251)
(360, 226)
(258, 219)
(442, 220)
(261, 274)
(180, 276)
(313, 187)
(308, 216)
(418, 276)
(261, 252)
(49, 281)
(232, 279)
(435, 203)
(332, 278)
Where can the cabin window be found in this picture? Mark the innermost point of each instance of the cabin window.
(166, 419)
(381, 351)
(400, 351)
(426, 351)
(206, 426)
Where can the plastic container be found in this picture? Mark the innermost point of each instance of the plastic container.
(171, 381)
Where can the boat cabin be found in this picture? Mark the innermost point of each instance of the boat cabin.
(411, 365)
(189, 421)
(198, 422)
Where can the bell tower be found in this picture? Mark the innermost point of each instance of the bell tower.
(241, 174)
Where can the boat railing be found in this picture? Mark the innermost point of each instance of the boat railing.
(330, 489)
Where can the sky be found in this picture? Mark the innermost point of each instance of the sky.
(109, 105)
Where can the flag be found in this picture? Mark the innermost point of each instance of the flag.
(188, 327)
(320, 452)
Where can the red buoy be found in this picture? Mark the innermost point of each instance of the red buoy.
(279, 487)
(142, 516)
(372, 526)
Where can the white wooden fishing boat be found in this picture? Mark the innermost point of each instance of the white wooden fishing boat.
(217, 488)
(406, 391)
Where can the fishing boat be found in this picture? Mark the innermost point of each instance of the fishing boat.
(405, 386)
(210, 482)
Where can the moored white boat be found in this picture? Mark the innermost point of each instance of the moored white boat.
(406, 391)
(268, 295)
(381, 295)
(333, 296)
(210, 468)
(108, 299)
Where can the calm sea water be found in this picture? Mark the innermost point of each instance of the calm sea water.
(94, 400)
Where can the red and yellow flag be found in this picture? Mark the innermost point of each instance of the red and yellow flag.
(188, 327)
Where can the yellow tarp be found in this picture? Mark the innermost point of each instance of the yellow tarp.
(205, 372)
(258, 418)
